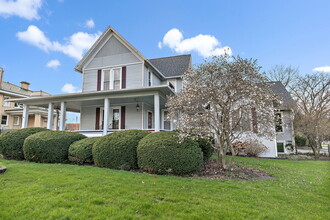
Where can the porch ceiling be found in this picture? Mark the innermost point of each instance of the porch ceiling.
(77, 100)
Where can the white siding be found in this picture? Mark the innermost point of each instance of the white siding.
(88, 118)
(155, 80)
(134, 76)
(89, 80)
(179, 84)
(111, 54)
(133, 117)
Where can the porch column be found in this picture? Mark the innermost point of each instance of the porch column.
(25, 119)
(50, 116)
(157, 112)
(106, 116)
(62, 116)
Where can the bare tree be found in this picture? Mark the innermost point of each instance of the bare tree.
(287, 75)
(223, 98)
(312, 120)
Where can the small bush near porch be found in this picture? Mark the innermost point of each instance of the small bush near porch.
(298, 190)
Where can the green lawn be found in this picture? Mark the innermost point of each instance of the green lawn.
(299, 190)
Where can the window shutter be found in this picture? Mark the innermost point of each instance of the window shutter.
(122, 117)
(97, 119)
(99, 75)
(123, 77)
(254, 120)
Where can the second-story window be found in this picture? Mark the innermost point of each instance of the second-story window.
(149, 78)
(278, 122)
(116, 79)
(111, 79)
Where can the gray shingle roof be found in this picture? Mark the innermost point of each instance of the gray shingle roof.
(278, 88)
(172, 66)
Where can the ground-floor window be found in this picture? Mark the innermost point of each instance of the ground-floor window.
(280, 147)
(166, 121)
(16, 120)
(149, 120)
(4, 120)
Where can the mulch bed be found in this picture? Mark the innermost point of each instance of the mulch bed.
(212, 170)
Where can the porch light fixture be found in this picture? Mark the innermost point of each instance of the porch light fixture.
(137, 107)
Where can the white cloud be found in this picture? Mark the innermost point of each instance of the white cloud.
(90, 23)
(204, 45)
(27, 9)
(325, 69)
(75, 45)
(53, 64)
(69, 88)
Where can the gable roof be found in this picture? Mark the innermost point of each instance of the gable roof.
(173, 66)
(278, 88)
(99, 41)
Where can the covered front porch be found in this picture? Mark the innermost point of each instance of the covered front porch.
(103, 112)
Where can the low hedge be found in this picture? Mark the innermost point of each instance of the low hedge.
(50, 146)
(118, 150)
(163, 153)
(80, 152)
(206, 148)
(11, 143)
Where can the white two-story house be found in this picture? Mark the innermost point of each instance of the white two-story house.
(121, 89)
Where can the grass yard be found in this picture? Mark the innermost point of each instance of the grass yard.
(299, 190)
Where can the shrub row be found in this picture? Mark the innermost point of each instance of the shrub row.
(11, 143)
(50, 146)
(161, 152)
(118, 150)
(80, 152)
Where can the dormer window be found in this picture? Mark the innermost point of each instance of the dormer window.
(149, 78)
(111, 79)
(171, 86)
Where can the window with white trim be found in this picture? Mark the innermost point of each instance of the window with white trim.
(166, 120)
(278, 122)
(149, 78)
(5, 102)
(111, 79)
(16, 120)
(4, 120)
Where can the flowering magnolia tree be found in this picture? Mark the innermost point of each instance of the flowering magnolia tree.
(223, 99)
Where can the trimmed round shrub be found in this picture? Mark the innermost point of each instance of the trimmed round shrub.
(163, 153)
(11, 143)
(50, 146)
(118, 150)
(206, 148)
(80, 152)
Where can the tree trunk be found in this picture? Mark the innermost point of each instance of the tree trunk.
(312, 144)
(221, 152)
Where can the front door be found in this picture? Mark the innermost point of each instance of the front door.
(149, 120)
(115, 118)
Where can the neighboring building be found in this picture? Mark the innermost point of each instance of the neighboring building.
(11, 112)
(121, 90)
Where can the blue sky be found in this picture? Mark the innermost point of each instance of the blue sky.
(36, 32)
